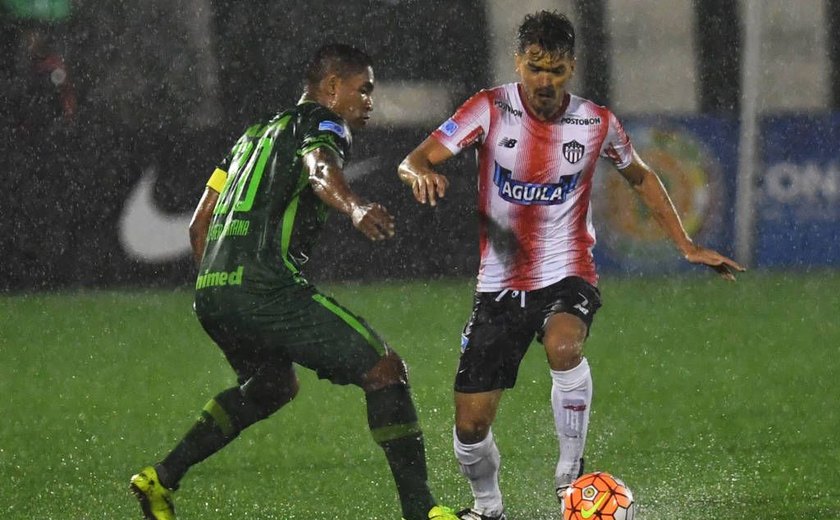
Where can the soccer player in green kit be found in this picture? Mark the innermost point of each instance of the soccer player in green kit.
(252, 229)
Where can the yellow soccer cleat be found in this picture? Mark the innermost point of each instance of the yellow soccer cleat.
(471, 514)
(441, 513)
(155, 500)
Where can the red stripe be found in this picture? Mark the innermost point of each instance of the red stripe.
(580, 234)
(527, 220)
(582, 263)
(485, 183)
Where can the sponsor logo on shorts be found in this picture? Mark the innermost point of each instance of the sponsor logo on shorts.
(582, 305)
(219, 278)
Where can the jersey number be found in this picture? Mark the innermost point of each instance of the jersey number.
(247, 166)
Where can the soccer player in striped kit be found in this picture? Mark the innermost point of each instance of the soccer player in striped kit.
(537, 148)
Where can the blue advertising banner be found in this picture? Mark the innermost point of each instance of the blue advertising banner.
(696, 158)
(798, 199)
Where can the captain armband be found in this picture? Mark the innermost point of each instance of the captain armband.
(217, 180)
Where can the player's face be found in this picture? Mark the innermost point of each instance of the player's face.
(544, 77)
(353, 99)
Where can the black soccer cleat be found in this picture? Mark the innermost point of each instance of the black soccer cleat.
(469, 514)
(561, 488)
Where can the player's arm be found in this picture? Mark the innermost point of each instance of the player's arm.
(416, 170)
(326, 176)
(650, 189)
(200, 223)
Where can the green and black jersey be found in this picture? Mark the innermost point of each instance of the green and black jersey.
(267, 217)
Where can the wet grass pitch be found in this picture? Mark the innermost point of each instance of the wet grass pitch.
(712, 401)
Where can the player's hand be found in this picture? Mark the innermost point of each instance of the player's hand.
(373, 220)
(429, 187)
(725, 266)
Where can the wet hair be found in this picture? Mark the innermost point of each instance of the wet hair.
(336, 58)
(551, 30)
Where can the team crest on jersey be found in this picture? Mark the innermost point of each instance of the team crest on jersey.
(573, 151)
(333, 127)
(530, 193)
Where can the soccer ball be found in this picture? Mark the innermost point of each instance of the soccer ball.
(598, 496)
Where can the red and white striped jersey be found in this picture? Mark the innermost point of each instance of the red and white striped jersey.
(534, 184)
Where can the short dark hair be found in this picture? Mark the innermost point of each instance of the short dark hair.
(343, 60)
(550, 30)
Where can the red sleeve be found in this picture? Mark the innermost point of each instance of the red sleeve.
(468, 125)
(617, 146)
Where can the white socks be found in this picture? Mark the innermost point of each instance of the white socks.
(571, 398)
(480, 464)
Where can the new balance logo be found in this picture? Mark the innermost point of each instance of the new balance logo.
(507, 142)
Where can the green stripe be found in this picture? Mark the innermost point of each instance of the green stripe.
(267, 145)
(220, 416)
(395, 431)
(286, 232)
(289, 220)
(319, 143)
(352, 321)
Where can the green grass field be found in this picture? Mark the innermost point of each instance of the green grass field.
(712, 400)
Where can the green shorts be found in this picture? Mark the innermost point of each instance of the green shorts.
(295, 324)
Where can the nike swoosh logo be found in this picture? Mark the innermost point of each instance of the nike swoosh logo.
(150, 235)
(146, 233)
(587, 513)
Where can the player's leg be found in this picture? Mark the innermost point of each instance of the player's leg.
(571, 392)
(221, 421)
(476, 451)
(566, 327)
(341, 347)
(267, 382)
(393, 422)
(494, 341)
(226, 415)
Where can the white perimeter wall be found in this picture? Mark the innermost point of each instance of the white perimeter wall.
(652, 52)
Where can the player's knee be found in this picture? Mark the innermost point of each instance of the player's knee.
(565, 356)
(388, 371)
(563, 339)
(267, 395)
(472, 430)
